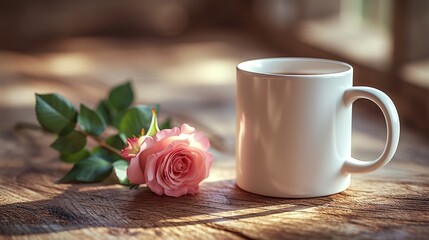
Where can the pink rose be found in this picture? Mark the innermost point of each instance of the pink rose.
(132, 148)
(173, 162)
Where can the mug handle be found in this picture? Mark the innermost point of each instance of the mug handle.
(386, 105)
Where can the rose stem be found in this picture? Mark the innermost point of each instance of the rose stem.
(30, 126)
(103, 144)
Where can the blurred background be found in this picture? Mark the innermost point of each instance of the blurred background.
(183, 53)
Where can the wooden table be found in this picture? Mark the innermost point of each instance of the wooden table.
(391, 203)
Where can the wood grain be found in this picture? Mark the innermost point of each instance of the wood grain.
(391, 203)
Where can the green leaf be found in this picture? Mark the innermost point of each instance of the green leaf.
(135, 119)
(55, 114)
(106, 111)
(121, 96)
(167, 124)
(111, 115)
(92, 169)
(104, 154)
(120, 168)
(117, 141)
(75, 157)
(117, 118)
(90, 121)
(71, 143)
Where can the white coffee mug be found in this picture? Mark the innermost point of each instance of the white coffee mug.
(294, 124)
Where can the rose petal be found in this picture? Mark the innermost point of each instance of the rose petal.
(209, 162)
(175, 161)
(200, 141)
(164, 176)
(176, 192)
(193, 189)
(134, 172)
(146, 143)
(167, 133)
(150, 175)
(152, 146)
(132, 148)
(155, 188)
(186, 129)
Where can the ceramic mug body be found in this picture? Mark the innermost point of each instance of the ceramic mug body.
(294, 127)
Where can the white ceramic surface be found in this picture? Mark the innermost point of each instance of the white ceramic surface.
(294, 131)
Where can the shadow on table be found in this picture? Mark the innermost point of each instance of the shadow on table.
(123, 208)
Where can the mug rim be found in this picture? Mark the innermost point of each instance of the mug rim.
(349, 69)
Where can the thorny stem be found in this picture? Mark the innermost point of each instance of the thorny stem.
(99, 140)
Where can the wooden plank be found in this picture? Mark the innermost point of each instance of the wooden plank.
(391, 203)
